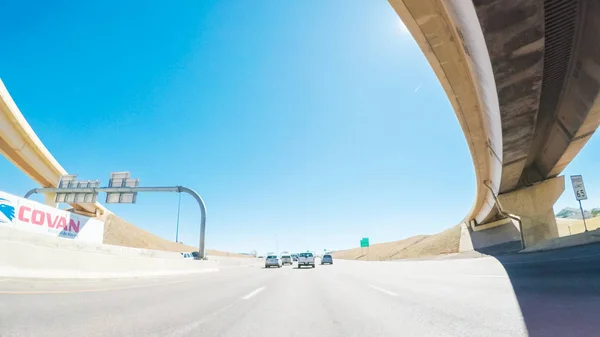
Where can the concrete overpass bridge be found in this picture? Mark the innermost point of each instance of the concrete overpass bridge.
(20, 145)
(523, 77)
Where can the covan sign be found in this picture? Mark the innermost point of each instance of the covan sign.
(28, 215)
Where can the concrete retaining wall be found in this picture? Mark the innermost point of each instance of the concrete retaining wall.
(566, 241)
(8, 234)
(492, 240)
(24, 254)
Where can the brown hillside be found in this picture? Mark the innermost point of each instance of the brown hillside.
(122, 233)
(446, 242)
(575, 226)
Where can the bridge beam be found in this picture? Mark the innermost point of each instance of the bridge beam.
(534, 206)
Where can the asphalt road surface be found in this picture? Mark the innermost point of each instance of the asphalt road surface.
(551, 294)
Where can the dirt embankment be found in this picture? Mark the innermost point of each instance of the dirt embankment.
(122, 233)
(446, 242)
(575, 226)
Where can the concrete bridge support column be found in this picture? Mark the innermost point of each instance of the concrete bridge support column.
(50, 199)
(533, 205)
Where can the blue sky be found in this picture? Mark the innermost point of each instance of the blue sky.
(289, 117)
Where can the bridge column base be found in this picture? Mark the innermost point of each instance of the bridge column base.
(534, 206)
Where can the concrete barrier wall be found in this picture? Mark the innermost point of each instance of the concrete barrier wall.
(30, 216)
(24, 254)
(68, 245)
(566, 241)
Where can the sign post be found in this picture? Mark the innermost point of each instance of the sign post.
(122, 190)
(364, 243)
(579, 190)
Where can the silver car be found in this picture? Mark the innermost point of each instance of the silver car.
(327, 259)
(272, 261)
(286, 259)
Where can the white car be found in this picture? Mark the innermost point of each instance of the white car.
(286, 259)
(306, 259)
(272, 261)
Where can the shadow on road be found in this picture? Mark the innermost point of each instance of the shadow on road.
(558, 291)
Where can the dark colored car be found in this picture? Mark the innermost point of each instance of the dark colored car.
(327, 259)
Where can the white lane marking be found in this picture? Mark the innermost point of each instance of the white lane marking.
(383, 290)
(250, 295)
(186, 329)
(240, 266)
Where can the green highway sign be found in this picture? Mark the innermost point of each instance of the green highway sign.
(364, 242)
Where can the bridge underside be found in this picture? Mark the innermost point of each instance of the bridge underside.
(546, 62)
(545, 69)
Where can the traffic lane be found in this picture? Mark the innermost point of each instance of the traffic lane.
(227, 318)
(125, 312)
(367, 308)
(558, 291)
(47, 285)
(420, 298)
(325, 301)
(44, 285)
(285, 306)
(554, 294)
(459, 303)
(296, 303)
(556, 314)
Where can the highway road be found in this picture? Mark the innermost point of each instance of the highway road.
(548, 294)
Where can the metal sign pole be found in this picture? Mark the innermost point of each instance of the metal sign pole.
(179, 189)
(177, 226)
(580, 194)
(583, 216)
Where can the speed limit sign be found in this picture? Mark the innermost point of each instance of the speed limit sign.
(578, 188)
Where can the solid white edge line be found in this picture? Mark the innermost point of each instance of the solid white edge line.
(250, 295)
(383, 290)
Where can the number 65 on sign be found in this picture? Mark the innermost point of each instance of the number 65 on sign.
(578, 187)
